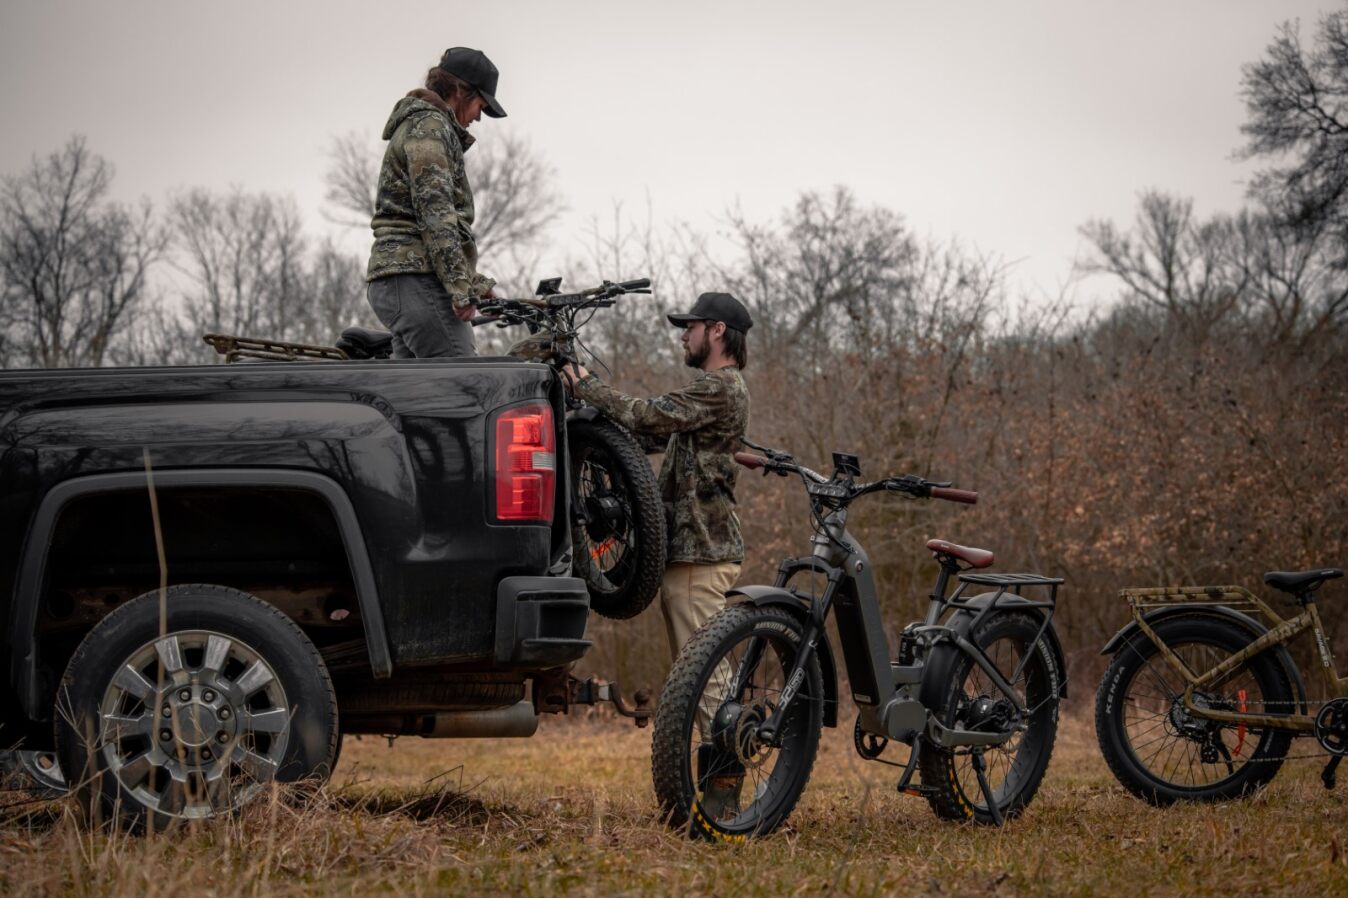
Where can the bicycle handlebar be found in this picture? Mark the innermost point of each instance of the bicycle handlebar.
(750, 461)
(506, 310)
(914, 486)
(968, 497)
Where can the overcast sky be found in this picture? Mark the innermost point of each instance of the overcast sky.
(1005, 124)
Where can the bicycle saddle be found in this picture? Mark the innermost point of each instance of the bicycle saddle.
(975, 557)
(1297, 582)
(365, 343)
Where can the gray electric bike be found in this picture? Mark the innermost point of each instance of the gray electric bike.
(972, 690)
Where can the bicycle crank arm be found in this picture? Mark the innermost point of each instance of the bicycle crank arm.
(1327, 775)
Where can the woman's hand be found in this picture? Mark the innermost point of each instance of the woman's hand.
(572, 372)
(468, 311)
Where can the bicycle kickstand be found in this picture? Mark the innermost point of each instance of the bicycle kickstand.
(1327, 777)
(979, 768)
(905, 781)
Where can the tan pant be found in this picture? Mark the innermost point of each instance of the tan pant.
(690, 595)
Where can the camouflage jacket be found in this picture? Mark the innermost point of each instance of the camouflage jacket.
(423, 209)
(703, 423)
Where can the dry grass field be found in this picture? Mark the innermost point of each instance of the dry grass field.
(571, 812)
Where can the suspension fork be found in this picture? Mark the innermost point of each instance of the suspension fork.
(768, 731)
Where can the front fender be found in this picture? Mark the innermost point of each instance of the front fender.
(776, 597)
(1219, 612)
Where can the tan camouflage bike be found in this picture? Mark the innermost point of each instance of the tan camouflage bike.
(1202, 699)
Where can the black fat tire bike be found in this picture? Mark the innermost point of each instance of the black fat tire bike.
(973, 692)
(618, 519)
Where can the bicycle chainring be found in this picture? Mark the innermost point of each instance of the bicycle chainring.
(1331, 727)
(869, 745)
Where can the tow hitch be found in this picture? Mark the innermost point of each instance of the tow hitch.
(556, 691)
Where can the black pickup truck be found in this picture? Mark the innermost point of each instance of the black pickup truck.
(210, 574)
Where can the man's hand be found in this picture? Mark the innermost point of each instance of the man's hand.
(572, 372)
(465, 312)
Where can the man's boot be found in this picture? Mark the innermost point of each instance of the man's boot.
(720, 777)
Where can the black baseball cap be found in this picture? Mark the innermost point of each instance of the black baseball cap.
(716, 307)
(473, 66)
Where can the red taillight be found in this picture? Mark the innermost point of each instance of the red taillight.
(526, 464)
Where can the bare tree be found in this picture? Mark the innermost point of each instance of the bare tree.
(830, 269)
(162, 336)
(1174, 262)
(245, 254)
(516, 200)
(334, 294)
(352, 180)
(74, 264)
(1297, 103)
(1297, 290)
(512, 190)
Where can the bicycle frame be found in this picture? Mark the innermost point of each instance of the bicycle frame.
(1283, 632)
(886, 693)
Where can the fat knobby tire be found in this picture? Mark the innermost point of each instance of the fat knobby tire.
(619, 449)
(943, 693)
(1111, 700)
(314, 733)
(671, 738)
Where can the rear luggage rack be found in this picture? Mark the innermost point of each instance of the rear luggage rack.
(234, 348)
(1233, 597)
(1011, 579)
(1008, 583)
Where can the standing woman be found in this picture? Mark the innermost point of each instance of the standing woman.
(423, 274)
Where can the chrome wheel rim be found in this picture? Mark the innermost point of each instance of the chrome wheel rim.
(43, 769)
(194, 724)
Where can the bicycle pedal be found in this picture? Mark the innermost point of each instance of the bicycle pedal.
(916, 791)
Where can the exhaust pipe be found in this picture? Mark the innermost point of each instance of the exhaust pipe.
(519, 720)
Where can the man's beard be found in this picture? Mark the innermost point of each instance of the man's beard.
(694, 356)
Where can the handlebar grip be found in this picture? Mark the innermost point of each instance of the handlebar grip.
(750, 461)
(480, 320)
(635, 285)
(968, 497)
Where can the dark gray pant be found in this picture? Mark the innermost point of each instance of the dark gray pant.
(416, 309)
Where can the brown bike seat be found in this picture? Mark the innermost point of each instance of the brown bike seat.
(975, 557)
(1297, 582)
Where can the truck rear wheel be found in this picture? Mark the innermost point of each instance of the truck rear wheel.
(618, 519)
(194, 717)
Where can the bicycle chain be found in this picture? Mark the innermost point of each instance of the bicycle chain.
(1309, 703)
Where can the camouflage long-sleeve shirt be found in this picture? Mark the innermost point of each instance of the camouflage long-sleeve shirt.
(704, 422)
(423, 210)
